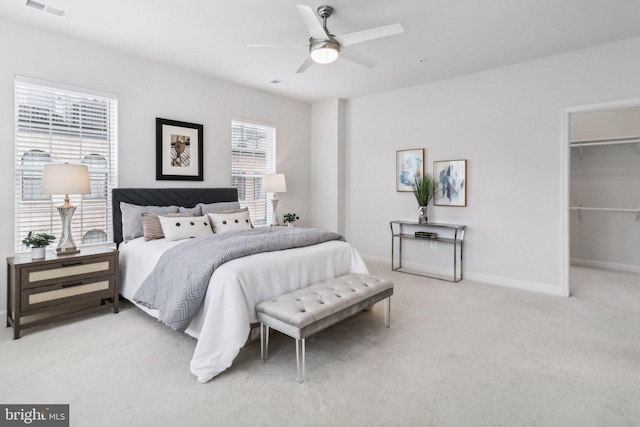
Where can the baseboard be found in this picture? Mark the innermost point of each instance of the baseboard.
(439, 272)
(606, 265)
(542, 288)
(379, 259)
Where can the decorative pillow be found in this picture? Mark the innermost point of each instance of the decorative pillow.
(152, 227)
(185, 228)
(132, 218)
(234, 221)
(196, 211)
(217, 207)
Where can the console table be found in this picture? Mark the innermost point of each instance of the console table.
(452, 234)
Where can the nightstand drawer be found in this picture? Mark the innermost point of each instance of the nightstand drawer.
(53, 295)
(68, 270)
(40, 291)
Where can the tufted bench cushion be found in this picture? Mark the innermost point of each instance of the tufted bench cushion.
(304, 312)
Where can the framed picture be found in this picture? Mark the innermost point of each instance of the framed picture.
(178, 150)
(409, 166)
(450, 177)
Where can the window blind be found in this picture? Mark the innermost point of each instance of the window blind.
(58, 124)
(253, 152)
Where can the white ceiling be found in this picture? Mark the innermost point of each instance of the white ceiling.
(441, 39)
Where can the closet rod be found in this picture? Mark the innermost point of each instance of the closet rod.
(582, 208)
(606, 141)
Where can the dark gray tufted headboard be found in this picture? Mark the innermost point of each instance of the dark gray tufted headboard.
(187, 197)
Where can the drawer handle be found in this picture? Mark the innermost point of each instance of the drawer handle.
(71, 285)
(69, 264)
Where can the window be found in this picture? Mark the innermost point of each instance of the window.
(58, 124)
(253, 152)
(33, 162)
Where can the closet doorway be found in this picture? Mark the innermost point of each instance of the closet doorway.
(603, 184)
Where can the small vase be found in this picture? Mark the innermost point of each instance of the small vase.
(422, 215)
(38, 253)
(290, 224)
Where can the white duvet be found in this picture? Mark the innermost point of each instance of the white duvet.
(221, 325)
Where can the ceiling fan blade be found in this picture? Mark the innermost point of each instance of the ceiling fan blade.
(356, 57)
(312, 23)
(366, 35)
(284, 45)
(306, 64)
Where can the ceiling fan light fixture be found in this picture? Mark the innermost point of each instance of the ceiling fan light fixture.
(324, 51)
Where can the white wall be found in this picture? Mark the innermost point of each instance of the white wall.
(327, 165)
(147, 90)
(507, 123)
(606, 177)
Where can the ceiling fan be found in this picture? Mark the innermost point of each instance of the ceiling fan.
(325, 47)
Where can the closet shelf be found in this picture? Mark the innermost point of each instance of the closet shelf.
(605, 141)
(581, 208)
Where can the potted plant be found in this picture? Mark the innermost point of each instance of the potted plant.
(290, 218)
(38, 243)
(424, 188)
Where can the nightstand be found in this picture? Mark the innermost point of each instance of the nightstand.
(57, 287)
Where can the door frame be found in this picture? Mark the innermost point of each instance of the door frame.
(565, 159)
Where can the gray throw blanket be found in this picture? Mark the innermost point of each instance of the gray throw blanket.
(179, 281)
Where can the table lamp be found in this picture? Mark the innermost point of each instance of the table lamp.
(66, 179)
(275, 183)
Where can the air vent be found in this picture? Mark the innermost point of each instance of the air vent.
(47, 8)
(279, 82)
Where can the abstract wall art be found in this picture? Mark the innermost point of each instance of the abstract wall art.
(409, 166)
(451, 182)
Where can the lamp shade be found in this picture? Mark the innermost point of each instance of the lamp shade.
(65, 179)
(275, 183)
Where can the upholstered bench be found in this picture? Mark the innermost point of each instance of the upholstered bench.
(306, 311)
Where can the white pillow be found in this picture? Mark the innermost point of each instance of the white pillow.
(232, 221)
(176, 228)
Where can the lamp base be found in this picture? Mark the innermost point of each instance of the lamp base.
(67, 251)
(274, 204)
(66, 245)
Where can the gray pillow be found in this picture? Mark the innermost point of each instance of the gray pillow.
(196, 211)
(217, 207)
(132, 218)
(152, 227)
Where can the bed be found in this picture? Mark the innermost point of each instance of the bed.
(223, 322)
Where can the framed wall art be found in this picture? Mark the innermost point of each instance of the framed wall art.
(450, 177)
(178, 150)
(409, 166)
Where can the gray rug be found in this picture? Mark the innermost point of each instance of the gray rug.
(464, 354)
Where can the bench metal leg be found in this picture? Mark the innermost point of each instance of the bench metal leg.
(264, 342)
(300, 344)
(387, 312)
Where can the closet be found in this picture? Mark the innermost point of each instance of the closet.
(605, 189)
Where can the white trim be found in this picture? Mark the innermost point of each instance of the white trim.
(253, 122)
(542, 288)
(606, 265)
(417, 267)
(442, 273)
(565, 171)
(372, 258)
(565, 158)
(68, 88)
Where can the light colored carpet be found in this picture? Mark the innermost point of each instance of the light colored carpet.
(464, 354)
